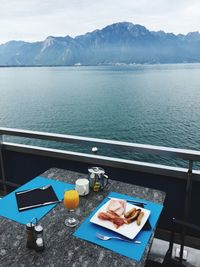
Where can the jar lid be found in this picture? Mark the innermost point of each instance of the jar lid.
(39, 242)
(38, 228)
(96, 170)
(30, 226)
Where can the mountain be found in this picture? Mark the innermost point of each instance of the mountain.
(122, 42)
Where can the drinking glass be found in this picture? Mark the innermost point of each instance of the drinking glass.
(71, 201)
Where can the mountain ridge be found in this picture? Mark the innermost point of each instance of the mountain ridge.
(122, 42)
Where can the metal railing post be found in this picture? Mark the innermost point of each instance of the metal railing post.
(187, 208)
(2, 170)
(188, 191)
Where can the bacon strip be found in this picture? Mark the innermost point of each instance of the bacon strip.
(106, 216)
(118, 221)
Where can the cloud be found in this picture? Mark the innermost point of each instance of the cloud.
(35, 19)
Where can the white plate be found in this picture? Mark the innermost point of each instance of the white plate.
(127, 230)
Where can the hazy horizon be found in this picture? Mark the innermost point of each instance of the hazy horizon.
(34, 20)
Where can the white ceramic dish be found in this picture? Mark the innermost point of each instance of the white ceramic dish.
(127, 230)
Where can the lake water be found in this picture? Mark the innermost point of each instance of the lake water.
(150, 104)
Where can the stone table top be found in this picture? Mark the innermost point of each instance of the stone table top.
(62, 248)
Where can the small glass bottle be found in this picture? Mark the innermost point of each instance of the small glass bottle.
(30, 243)
(39, 241)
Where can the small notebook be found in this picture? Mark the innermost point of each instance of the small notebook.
(36, 197)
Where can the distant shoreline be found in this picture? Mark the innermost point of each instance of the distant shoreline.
(100, 65)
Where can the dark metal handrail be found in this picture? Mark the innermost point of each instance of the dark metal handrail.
(190, 155)
(185, 154)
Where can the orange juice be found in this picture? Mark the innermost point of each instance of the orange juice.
(71, 199)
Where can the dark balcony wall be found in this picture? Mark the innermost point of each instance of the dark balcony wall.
(20, 168)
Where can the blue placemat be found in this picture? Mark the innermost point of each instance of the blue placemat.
(88, 230)
(8, 204)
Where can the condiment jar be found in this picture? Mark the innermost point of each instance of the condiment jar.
(30, 231)
(39, 241)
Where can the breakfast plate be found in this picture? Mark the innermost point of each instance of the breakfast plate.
(128, 230)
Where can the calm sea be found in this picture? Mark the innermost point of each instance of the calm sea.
(150, 104)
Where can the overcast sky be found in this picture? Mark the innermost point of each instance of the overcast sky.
(32, 20)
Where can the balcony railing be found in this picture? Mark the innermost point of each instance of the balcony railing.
(177, 172)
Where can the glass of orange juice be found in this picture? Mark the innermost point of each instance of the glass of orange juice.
(71, 201)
